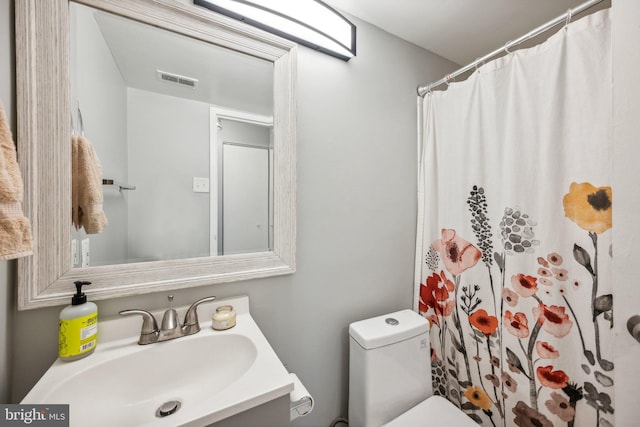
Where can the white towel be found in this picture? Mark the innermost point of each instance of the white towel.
(15, 228)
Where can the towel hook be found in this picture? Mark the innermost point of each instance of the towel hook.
(80, 121)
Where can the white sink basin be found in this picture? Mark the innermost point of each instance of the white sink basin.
(212, 374)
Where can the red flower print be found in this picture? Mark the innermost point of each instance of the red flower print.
(554, 258)
(525, 286)
(550, 378)
(483, 322)
(545, 281)
(553, 320)
(457, 254)
(544, 272)
(517, 324)
(560, 274)
(510, 297)
(546, 350)
(435, 295)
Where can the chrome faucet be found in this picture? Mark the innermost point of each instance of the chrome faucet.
(171, 328)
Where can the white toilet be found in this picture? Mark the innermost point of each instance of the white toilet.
(390, 375)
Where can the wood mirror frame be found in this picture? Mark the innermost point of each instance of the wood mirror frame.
(44, 154)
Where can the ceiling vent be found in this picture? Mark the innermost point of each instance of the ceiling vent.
(178, 79)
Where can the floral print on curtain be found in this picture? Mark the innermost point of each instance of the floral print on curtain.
(512, 342)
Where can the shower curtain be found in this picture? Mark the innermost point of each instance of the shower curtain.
(513, 256)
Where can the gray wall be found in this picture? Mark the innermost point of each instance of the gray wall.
(168, 145)
(356, 221)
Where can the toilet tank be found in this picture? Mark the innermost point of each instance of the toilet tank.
(389, 367)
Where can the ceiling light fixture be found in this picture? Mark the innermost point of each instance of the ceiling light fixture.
(309, 22)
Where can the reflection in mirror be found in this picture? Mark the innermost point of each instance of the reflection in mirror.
(57, 72)
(245, 206)
(183, 131)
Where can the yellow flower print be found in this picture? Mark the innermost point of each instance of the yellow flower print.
(589, 206)
(478, 397)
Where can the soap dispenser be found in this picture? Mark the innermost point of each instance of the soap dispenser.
(78, 333)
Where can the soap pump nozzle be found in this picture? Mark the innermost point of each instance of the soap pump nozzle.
(79, 297)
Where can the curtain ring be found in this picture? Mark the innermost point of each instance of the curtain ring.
(478, 63)
(447, 78)
(568, 21)
(506, 47)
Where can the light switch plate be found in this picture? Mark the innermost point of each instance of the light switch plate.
(75, 259)
(200, 185)
(86, 258)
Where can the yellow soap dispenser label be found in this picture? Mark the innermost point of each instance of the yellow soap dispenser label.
(78, 336)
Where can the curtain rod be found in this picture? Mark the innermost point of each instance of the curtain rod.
(564, 18)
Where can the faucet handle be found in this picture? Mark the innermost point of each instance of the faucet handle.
(149, 331)
(191, 324)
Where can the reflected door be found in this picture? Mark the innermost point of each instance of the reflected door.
(245, 193)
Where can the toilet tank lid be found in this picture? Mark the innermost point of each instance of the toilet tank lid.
(388, 328)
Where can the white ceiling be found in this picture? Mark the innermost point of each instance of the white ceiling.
(459, 30)
(225, 78)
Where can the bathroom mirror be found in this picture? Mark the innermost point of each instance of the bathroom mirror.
(45, 104)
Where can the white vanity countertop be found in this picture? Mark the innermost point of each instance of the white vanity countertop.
(261, 378)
